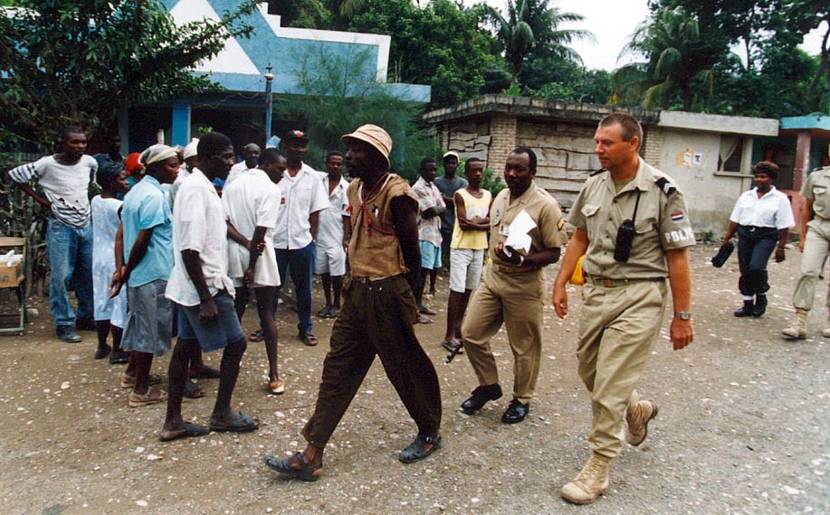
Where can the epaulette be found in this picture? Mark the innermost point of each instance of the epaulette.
(668, 188)
(596, 172)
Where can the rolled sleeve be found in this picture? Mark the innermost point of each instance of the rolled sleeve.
(675, 228)
(575, 217)
(784, 217)
(319, 197)
(552, 225)
(26, 172)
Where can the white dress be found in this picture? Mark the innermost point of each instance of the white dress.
(105, 222)
(252, 201)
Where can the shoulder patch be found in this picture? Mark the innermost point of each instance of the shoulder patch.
(668, 188)
(561, 224)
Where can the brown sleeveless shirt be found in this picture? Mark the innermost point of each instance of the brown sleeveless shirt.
(374, 249)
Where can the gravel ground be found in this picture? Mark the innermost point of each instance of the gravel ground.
(744, 427)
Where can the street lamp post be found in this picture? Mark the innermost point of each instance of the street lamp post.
(269, 77)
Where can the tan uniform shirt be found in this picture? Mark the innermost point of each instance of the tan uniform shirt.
(662, 223)
(374, 248)
(542, 208)
(817, 189)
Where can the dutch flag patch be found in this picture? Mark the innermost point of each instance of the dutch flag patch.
(677, 216)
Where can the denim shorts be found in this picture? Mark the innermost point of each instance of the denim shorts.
(213, 335)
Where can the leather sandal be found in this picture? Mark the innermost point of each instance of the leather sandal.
(306, 472)
(420, 448)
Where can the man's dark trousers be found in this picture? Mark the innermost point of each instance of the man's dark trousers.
(376, 319)
(300, 264)
(755, 245)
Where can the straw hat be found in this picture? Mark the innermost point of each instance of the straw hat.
(373, 135)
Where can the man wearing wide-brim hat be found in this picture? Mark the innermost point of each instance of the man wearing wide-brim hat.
(378, 311)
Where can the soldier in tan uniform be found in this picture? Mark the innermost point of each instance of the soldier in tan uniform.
(630, 207)
(815, 242)
(378, 311)
(512, 289)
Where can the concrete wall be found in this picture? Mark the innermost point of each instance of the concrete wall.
(691, 159)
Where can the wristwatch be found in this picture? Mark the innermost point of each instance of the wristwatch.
(683, 315)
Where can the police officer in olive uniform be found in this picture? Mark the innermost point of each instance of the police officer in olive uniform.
(815, 241)
(512, 289)
(632, 227)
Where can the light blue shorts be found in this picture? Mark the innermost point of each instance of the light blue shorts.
(430, 255)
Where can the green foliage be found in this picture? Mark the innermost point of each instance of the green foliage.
(570, 82)
(21, 216)
(336, 99)
(80, 61)
(492, 181)
(676, 59)
(439, 44)
(531, 31)
(776, 80)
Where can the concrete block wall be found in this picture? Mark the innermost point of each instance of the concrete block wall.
(502, 140)
(565, 154)
(652, 148)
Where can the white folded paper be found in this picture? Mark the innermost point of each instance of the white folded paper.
(517, 234)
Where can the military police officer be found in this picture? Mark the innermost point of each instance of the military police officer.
(512, 290)
(815, 241)
(632, 227)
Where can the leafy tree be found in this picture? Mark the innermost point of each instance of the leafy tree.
(439, 44)
(79, 61)
(329, 85)
(532, 28)
(673, 47)
(577, 85)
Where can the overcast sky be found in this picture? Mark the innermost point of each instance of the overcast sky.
(613, 22)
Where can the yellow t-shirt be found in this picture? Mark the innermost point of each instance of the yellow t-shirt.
(474, 207)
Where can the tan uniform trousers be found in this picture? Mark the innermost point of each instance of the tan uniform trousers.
(515, 300)
(619, 321)
(816, 248)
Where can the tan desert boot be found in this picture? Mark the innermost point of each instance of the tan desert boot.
(638, 416)
(591, 482)
(799, 330)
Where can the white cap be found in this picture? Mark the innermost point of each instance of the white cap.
(190, 149)
(451, 153)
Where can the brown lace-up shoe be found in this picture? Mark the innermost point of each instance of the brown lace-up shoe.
(638, 417)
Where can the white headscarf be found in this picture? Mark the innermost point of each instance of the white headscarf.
(156, 153)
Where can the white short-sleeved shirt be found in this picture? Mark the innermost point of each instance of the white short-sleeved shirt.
(199, 224)
(252, 201)
(330, 226)
(302, 195)
(235, 172)
(771, 210)
(66, 186)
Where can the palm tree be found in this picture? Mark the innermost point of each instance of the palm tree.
(532, 25)
(676, 64)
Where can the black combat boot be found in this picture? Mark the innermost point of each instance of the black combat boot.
(746, 310)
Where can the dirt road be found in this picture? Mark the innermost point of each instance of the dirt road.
(744, 427)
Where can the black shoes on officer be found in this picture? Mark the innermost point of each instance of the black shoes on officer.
(760, 306)
(746, 310)
(516, 412)
(481, 396)
(755, 309)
